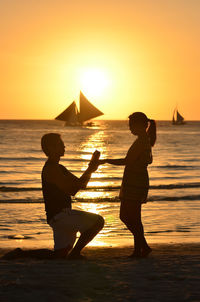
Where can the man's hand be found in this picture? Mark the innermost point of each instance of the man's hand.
(94, 162)
(95, 156)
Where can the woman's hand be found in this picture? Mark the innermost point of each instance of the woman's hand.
(102, 161)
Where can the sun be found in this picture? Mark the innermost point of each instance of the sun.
(94, 82)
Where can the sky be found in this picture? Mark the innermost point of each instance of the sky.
(125, 56)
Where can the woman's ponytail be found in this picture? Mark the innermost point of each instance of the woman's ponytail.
(152, 132)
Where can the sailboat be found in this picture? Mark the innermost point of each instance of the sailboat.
(177, 118)
(74, 117)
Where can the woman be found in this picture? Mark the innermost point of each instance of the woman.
(135, 183)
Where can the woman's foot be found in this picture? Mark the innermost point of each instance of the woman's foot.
(76, 257)
(135, 255)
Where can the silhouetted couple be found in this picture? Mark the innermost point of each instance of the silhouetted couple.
(59, 184)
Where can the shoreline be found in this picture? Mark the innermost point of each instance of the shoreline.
(161, 248)
(170, 273)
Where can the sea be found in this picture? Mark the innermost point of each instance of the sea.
(171, 215)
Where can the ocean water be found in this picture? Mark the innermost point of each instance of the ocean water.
(171, 214)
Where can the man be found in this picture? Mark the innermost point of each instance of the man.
(58, 185)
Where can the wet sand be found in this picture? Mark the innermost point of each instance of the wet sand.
(170, 273)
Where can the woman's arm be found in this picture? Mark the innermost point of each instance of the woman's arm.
(132, 155)
(116, 162)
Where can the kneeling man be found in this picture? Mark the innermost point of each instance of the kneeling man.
(58, 185)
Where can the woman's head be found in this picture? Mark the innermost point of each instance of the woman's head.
(140, 123)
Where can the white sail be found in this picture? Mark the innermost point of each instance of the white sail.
(177, 119)
(69, 115)
(87, 110)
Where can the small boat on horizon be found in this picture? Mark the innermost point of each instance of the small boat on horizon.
(74, 117)
(177, 118)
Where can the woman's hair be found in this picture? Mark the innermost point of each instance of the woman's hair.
(48, 141)
(152, 132)
(141, 118)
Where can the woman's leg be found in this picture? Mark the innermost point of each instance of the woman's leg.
(130, 214)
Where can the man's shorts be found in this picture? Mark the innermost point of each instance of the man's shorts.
(67, 223)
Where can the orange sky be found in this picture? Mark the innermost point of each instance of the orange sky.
(147, 51)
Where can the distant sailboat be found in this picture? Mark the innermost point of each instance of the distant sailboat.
(74, 117)
(177, 119)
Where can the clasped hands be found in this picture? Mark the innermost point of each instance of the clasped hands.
(95, 161)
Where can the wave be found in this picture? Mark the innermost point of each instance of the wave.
(32, 158)
(177, 167)
(28, 158)
(17, 189)
(176, 186)
(108, 199)
(18, 237)
(106, 188)
(150, 198)
(174, 198)
(69, 159)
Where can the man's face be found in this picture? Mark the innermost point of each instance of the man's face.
(60, 148)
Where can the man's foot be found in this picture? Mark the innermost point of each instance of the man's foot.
(62, 253)
(14, 254)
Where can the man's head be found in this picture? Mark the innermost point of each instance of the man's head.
(52, 145)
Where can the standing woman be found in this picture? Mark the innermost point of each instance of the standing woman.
(135, 182)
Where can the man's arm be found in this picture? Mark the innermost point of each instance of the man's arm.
(84, 179)
(92, 167)
(68, 182)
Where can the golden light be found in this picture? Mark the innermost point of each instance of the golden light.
(89, 195)
(97, 208)
(94, 142)
(94, 81)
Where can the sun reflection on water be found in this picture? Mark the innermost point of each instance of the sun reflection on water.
(97, 208)
(87, 195)
(96, 141)
(92, 207)
(97, 183)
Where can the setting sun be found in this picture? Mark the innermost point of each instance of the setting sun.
(125, 56)
(94, 81)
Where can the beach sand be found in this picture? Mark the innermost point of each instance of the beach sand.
(170, 273)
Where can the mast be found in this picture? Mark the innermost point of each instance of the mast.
(87, 110)
(173, 119)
